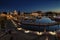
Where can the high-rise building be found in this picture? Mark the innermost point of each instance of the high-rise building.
(38, 13)
(15, 12)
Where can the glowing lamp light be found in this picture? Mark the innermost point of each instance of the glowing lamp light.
(19, 28)
(52, 33)
(54, 16)
(39, 33)
(26, 31)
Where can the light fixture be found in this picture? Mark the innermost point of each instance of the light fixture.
(26, 31)
(54, 16)
(52, 33)
(19, 28)
(39, 33)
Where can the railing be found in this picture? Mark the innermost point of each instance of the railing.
(6, 35)
(35, 24)
(49, 24)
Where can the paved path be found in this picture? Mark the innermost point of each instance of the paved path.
(20, 35)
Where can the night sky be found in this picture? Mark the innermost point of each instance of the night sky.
(30, 5)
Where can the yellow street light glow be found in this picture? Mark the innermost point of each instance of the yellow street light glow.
(39, 33)
(19, 28)
(52, 33)
(26, 31)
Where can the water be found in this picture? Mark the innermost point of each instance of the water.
(44, 20)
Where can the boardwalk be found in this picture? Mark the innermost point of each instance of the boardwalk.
(21, 35)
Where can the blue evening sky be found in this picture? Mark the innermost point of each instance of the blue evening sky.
(30, 5)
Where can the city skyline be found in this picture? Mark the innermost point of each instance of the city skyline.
(30, 5)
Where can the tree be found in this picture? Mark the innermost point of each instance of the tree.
(49, 14)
